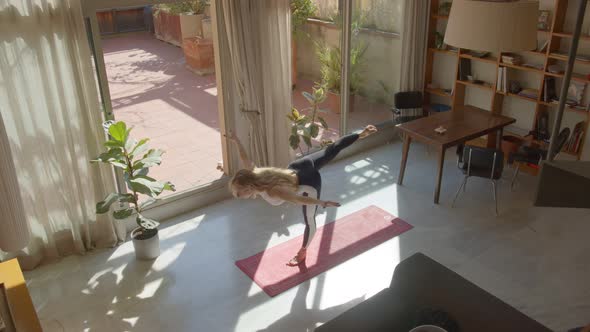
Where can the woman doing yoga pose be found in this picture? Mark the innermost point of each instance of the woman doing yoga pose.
(299, 183)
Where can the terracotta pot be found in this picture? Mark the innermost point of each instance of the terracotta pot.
(510, 144)
(198, 53)
(167, 27)
(333, 101)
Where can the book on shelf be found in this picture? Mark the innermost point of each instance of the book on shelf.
(549, 92)
(504, 79)
(575, 140)
(464, 69)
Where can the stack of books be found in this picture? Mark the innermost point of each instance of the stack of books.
(512, 59)
(573, 144)
(529, 93)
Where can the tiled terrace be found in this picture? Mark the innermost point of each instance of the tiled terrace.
(152, 90)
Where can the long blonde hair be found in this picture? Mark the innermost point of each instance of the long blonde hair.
(265, 178)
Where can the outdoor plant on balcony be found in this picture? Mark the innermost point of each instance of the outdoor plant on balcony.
(185, 7)
(134, 158)
(306, 127)
(331, 64)
(301, 10)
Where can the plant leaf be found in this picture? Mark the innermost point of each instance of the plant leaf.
(126, 198)
(314, 130)
(118, 131)
(294, 141)
(295, 114)
(141, 171)
(140, 147)
(169, 186)
(323, 122)
(146, 185)
(152, 158)
(308, 96)
(146, 222)
(104, 205)
(114, 157)
(113, 144)
(307, 141)
(122, 214)
(294, 130)
(130, 143)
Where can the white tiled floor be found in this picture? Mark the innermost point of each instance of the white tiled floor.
(536, 259)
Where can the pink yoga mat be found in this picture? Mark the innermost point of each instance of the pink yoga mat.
(333, 244)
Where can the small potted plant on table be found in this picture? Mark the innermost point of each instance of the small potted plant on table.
(134, 158)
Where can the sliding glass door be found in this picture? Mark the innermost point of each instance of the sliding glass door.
(155, 66)
(369, 31)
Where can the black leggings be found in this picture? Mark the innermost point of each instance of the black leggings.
(310, 180)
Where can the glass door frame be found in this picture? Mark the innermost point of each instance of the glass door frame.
(195, 197)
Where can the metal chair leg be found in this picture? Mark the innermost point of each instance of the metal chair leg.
(463, 184)
(517, 165)
(495, 196)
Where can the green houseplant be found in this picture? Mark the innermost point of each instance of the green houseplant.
(307, 127)
(301, 10)
(134, 158)
(330, 66)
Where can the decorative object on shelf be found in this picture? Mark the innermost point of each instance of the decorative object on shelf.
(575, 92)
(555, 69)
(515, 87)
(439, 40)
(501, 26)
(478, 54)
(543, 22)
(529, 93)
(444, 8)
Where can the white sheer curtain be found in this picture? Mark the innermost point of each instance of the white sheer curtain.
(414, 44)
(257, 37)
(49, 102)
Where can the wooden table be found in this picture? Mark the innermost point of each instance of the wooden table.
(463, 123)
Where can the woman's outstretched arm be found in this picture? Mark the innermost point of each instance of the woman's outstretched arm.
(248, 164)
(292, 197)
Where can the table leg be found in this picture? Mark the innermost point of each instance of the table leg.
(441, 161)
(499, 139)
(405, 150)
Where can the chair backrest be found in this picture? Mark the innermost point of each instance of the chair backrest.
(407, 100)
(562, 138)
(483, 161)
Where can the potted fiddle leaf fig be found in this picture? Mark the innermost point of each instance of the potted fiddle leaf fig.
(134, 158)
(307, 127)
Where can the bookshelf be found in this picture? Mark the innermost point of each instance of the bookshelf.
(550, 56)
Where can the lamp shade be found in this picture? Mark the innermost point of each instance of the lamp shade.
(493, 26)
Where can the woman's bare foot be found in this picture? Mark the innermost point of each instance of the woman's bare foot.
(369, 130)
(299, 258)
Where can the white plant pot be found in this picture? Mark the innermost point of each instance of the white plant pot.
(147, 246)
